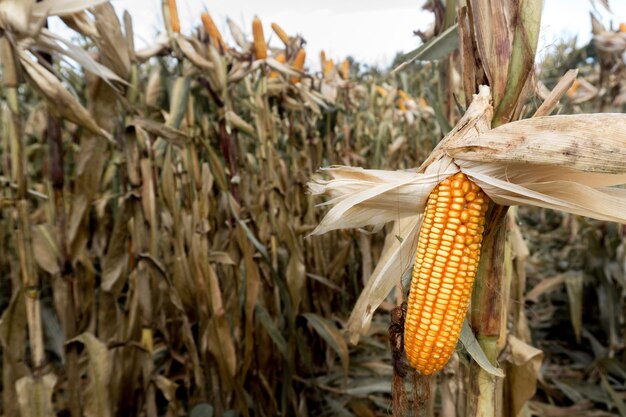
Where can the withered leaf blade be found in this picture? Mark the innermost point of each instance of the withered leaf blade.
(557, 92)
(34, 395)
(332, 335)
(60, 101)
(172, 135)
(97, 403)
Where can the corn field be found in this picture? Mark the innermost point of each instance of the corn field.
(164, 250)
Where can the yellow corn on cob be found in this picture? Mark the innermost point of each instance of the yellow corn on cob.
(345, 69)
(400, 104)
(328, 67)
(622, 27)
(448, 251)
(403, 95)
(381, 91)
(280, 58)
(572, 90)
(171, 6)
(298, 63)
(281, 33)
(212, 31)
(260, 47)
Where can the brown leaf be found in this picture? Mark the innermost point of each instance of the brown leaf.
(522, 371)
(97, 403)
(34, 395)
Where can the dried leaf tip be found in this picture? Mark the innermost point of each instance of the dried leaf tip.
(260, 47)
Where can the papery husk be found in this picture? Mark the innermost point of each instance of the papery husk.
(367, 197)
(15, 15)
(602, 203)
(585, 142)
(399, 249)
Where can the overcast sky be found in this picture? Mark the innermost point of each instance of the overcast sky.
(372, 31)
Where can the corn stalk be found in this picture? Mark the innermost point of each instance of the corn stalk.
(28, 269)
(504, 56)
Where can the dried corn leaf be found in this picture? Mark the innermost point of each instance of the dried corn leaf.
(474, 349)
(170, 134)
(435, 49)
(63, 7)
(553, 98)
(186, 45)
(97, 403)
(523, 371)
(60, 101)
(332, 335)
(13, 339)
(34, 395)
(45, 249)
(272, 330)
(54, 42)
(111, 42)
(238, 35)
(574, 285)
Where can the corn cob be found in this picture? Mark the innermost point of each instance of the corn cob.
(280, 58)
(403, 95)
(345, 69)
(380, 90)
(171, 6)
(446, 261)
(400, 104)
(213, 32)
(298, 63)
(328, 67)
(622, 27)
(260, 47)
(281, 33)
(572, 90)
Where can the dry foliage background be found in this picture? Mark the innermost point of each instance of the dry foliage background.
(169, 261)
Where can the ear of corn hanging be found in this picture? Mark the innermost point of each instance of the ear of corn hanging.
(446, 261)
(171, 6)
(328, 67)
(323, 59)
(345, 69)
(281, 33)
(622, 27)
(213, 32)
(260, 47)
(298, 63)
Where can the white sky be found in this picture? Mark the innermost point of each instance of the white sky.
(372, 31)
